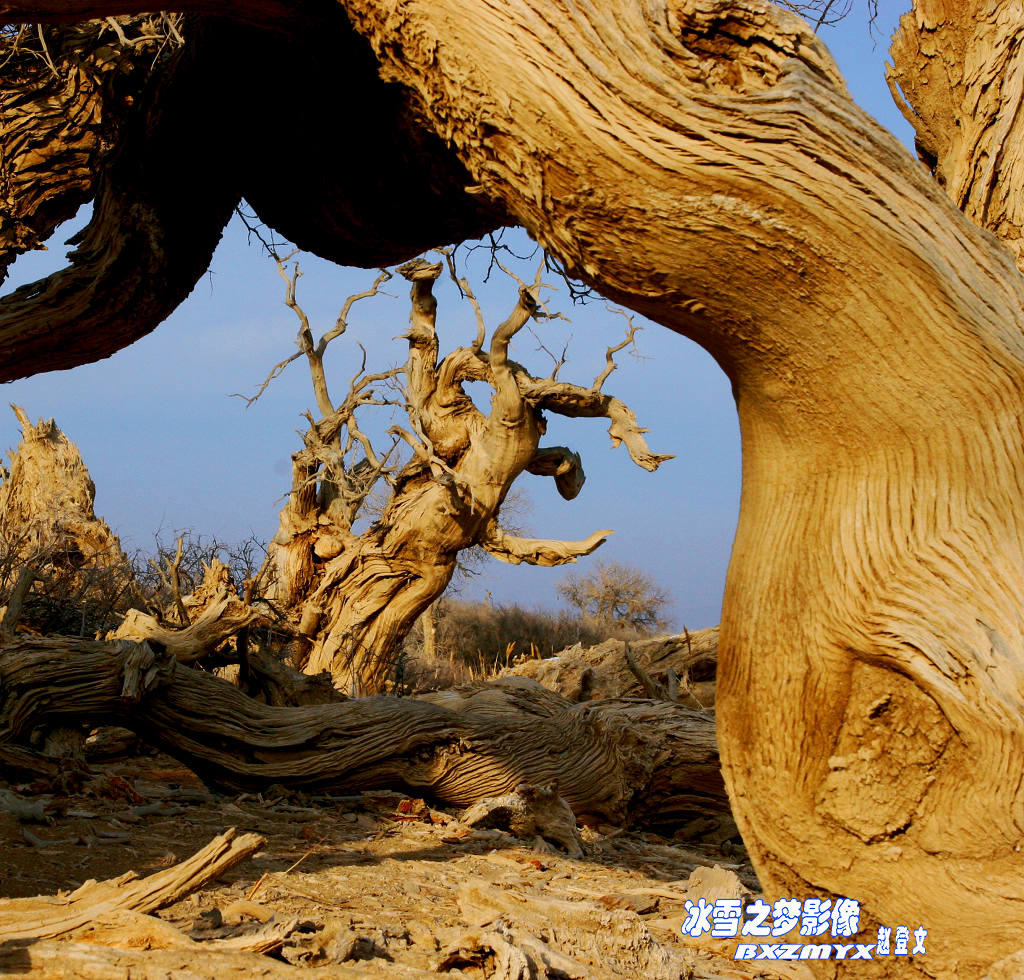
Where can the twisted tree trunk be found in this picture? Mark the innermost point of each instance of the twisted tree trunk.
(871, 644)
(355, 597)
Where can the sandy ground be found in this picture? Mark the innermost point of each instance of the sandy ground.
(377, 884)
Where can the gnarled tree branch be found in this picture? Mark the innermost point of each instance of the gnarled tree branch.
(564, 465)
(534, 551)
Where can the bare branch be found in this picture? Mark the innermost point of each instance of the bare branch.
(417, 446)
(304, 341)
(508, 400)
(251, 586)
(424, 450)
(536, 551)
(651, 687)
(467, 291)
(171, 580)
(558, 360)
(421, 368)
(610, 364)
(314, 355)
(275, 371)
(341, 323)
(174, 572)
(575, 401)
(19, 594)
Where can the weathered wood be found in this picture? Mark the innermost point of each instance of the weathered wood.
(45, 918)
(874, 339)
(355, 597)
(19, 763)
(19, 593)
(530, 813)
(161, 202)
(603, 671)
(60, 960)
(197, 117)
(47, 498)
(956, 76)
(57, 961)
(217, 622)
(619, 761)
(702, 162)
(265, 675)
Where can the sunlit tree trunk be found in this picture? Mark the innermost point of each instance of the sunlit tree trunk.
(356, 596)
(703, 163)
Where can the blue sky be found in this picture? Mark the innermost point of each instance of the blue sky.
(168, 448)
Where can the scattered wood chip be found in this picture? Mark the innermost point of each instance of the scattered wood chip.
(236, 911)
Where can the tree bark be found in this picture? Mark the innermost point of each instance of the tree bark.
(957, 74)
(651, 763)
(168, 154)
(871, 641)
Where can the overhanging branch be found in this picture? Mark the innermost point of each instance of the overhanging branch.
(537, 551)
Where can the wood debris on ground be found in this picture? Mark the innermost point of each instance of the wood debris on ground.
(365, 885)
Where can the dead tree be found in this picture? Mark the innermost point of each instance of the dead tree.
(354, 597)
(702, 163)
(48, 524)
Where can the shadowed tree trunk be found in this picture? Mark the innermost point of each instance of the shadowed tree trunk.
(701, 161)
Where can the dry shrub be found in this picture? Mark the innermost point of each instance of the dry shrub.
(477, 639)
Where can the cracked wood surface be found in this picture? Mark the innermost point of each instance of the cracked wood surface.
(616, 760)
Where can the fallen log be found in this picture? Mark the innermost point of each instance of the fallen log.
(616, 760)
(681, 668)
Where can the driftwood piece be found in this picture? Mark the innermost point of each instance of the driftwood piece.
(46, 918)
(530, 812)
(653, 763)
(221, 619)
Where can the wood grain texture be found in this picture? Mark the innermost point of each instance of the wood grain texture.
(652, 763)
(957, 74)
(701, 161)
(46, 918)
(872, 335)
